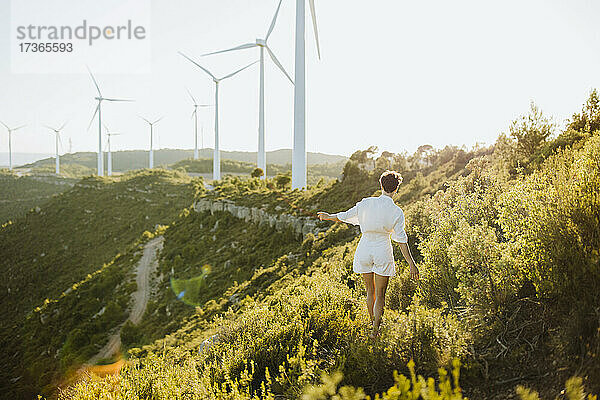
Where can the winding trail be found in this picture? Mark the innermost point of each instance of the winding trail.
(147, 265)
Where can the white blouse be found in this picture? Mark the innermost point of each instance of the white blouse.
(380, 219)
(377, 214)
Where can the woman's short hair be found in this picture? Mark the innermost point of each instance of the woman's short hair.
(390, 180)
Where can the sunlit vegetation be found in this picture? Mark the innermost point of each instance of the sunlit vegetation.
(224, 251)
(507, 241)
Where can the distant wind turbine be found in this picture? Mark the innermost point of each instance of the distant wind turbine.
(151, 158)
(10, 131)
(217, 154)
(57, 140)
(195, 115)
(299, 149)
(109, 134)
(261, 161)
(98, 111)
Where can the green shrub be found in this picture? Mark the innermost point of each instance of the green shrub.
(552, 217)
(131, 335)
(257, 173)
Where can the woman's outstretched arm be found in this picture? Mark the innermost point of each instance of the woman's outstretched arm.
(350, 216)
(323, 216)
(414, 271)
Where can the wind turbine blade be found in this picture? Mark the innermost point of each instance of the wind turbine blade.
(157, 120)
(93, 116)
(118, 100)
(276, 61)
(239, 70)
(94, 79)
(314, 20)
(273, 21)
(205, 105)
(199, 66)
(240, 47)
(190, 93)
(59, 140)
(6, 126)
(51, 128)
(193, 113)
(63, 125)
(19, 127)
(146, 120)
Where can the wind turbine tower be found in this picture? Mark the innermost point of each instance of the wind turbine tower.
(151, 155)
(98, 111)
(109, 134)
(261, 161)
(217, 153)
(195, 116)
(57, 140)
(10, 131)
(299, 149)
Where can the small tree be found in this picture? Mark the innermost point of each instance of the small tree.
(527, 137)
(257, 173)
(589, 119)
(530, 132)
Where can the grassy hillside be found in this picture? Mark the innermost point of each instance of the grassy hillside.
(72, 235)
(138, 159)
(21, 194)
(507, 240)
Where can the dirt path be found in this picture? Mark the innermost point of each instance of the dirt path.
(148, 264)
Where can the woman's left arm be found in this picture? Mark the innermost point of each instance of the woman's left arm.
(399, 235)
(414, 271)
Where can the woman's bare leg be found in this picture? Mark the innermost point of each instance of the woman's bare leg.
(381, 283)
(370, 287)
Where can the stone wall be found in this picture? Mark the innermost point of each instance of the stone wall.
(300, 225)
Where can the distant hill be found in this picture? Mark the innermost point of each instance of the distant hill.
(138, 159)
(21, 158)
(21, 193)
(203, 166)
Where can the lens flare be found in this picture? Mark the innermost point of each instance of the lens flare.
(190, 291)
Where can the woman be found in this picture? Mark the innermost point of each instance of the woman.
(380, 219)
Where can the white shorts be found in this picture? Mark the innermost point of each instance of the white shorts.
(374, 254)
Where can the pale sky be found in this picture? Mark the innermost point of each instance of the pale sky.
(395, 74)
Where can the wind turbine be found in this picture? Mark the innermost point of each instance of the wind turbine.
(151, 161)
(195, 115)
(57, 139)
(10, 131)
(217, 154)
(299, 149)
(99, 112)
(108, 135)
(261, 161)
